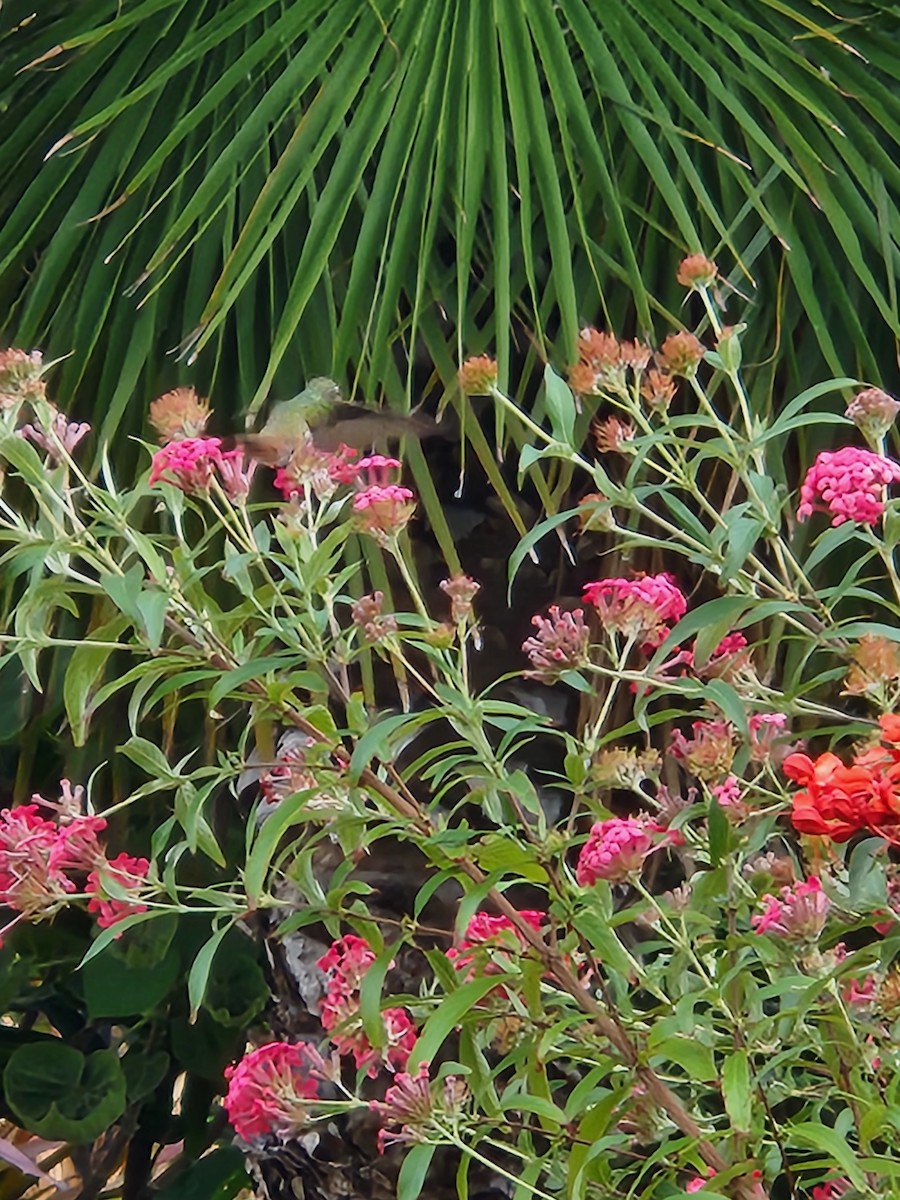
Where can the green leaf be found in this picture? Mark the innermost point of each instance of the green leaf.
(61, 1094)
(200, 969)
(736, 1090)
(84, 675)
(560, 406)
(413, 1170)
(450, 1013)
(114, 987)
(696, 1059)
(149, 758)
(813, 1135)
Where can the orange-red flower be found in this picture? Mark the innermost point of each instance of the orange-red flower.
(838, 801)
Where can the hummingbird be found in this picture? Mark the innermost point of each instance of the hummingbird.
(321, 413)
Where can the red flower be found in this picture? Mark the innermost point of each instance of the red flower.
(838, 801)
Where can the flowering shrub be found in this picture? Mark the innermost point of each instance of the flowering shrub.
(639, 938)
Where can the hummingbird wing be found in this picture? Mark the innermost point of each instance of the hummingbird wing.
(352, 425)
(362, 428)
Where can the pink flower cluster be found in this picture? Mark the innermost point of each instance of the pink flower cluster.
(191, 463)
(383, 510)
(485, 933)
(640, 608)
(345, 964)
(269, 1090)
(39, 855)
(799, 915)
(848, 483)
(319, 470)
(410, 1104)
(615, 850)
(114, 886)
(560, 644)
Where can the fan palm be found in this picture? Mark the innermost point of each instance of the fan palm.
(271, 189)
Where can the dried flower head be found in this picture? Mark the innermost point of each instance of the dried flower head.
(709, 753)
(874, 412)
(20, 377)
(462, 590)
(477, 376)
(635, 355)
(560, 644)
(411, 1104)
(848, 483)
(600, 365)
(658, 390)
(236, 473)
(681, 354)
(366, 614)
(595, 512)
(179, 414)
(621, 767)
(876, 662)
(612, 435)
(697, 272)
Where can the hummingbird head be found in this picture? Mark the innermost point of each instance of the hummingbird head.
(323, 391)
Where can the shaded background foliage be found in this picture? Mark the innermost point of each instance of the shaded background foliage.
(243, 194)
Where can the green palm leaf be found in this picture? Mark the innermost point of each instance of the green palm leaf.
(262, 190)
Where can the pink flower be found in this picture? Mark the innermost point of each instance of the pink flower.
(709, 753)
(799, 915)
(767, 738)
(125, 873)
(640, 608)
(346, 963)
(63, 434)
(378, 468)
(320, 471)
(400, 1041)
(729, 794)
(409, 1105)
(383, 512)
(269, 1090)
(859, 992)
(698, 1183)
(832, 1189)
(848, 483)
(32, 881)
(76, 847)
(236, 474)
(615, 849)
(187, 464)
(486, 932)
(560, 644)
